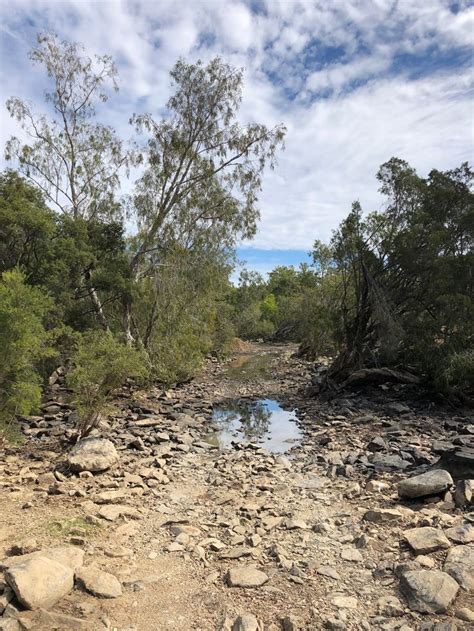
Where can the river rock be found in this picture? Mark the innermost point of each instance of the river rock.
(247, 576)
(426, 540)
(101, 584)
(92, 454)
(430, 483)
(460, 564)
(40, 582)
(428, 591)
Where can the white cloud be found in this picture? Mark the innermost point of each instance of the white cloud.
(334, 144)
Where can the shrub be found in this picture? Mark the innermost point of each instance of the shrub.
(24, 343)
(101, 364)
(458, 375)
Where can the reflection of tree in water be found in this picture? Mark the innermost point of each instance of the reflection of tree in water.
(254, 417)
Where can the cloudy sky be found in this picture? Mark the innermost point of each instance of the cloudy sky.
(355, 81)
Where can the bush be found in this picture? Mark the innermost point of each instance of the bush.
(24, 343)
(458, 375)
(101, 364)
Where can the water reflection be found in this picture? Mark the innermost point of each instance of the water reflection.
(262, 421)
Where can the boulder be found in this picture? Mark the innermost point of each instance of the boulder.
(460, 564)
(426, 540)
(92, 454)
(430, 483)
(428, 591)
(246, 576)
(40, 582)
(459, 462)
(70, 556)
(101, 584)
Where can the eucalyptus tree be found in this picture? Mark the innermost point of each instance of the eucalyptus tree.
(203, 168)
(74, 160)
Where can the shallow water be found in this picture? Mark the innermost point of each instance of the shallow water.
(249, 367)
(263, 422)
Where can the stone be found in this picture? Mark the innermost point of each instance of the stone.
(70, 556)
(425, 540)
(376, 486)
(461, 534)
(344, 602)
(430, 483)
(428, 591)
(92, 454)
(351, 554)
(459, 462)
(246, 576)
(383, 516)
(327, 570)
(40, 582)
(389, 462)
(111, 512)
(101, 584)
(246, 622)
(50, 621)
(459, 564)
(464, 493)
(464, 613)
(5, 597)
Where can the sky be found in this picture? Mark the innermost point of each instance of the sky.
(354, 81)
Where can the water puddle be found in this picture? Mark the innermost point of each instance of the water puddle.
(249, 367)
(262, 422)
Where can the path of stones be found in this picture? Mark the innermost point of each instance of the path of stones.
(148, 527)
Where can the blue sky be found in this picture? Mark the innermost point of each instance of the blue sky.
(355, 81)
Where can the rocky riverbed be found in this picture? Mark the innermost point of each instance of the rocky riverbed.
(365, 522)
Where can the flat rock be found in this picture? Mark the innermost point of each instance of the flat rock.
(247, 576)
(111, 512)
(426, 540)
(344, 602)
(428, 591)
(430, 483)
(40, 582)
(92, 454)
(101, 584)
(460, 565)
(42, 620)
(383, 515)
(461, 534)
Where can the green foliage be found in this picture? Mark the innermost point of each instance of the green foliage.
(24, 343)
(101, 365)
(406, 286)
(458, 374)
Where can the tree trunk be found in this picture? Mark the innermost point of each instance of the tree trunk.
(94, 296)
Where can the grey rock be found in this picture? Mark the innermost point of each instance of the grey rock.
(430, 483)
(428, 591)
(92, 454)
(460, 565)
